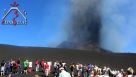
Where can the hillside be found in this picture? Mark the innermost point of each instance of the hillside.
(114, 60)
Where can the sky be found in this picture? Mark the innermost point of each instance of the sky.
(44, 28)
(119, 24)
(47, 20)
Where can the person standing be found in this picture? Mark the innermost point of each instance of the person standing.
(63, 73)
(42, 64)
(3, 68)
(30, 64)
(36, 65)
(79, 69)
(19, 65)
(46, 69)
(25, 63)
(56, 69)
(8, 66)
(89, 67)
(72, 67)
(50, 65)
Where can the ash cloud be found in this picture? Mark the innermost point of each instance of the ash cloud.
(109, 24)
(84, 23)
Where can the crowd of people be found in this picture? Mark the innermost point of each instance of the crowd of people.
(60, 69)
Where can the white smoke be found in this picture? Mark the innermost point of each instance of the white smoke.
(119, 24)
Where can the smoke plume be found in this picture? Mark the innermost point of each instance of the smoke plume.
(84, 22)
(109, 24)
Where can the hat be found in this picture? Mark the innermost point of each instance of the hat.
(130, 70)
(61, 68)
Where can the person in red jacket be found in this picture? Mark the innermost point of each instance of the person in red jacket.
(46, 69)
(42, 64)
(15, 67)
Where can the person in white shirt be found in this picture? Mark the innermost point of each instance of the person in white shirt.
(2, 68)
(119, 74)
(50, 65)
(30, 64)
(63, 73)
(63, 64)
(79, 69)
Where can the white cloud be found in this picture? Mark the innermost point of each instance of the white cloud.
(119, 24)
